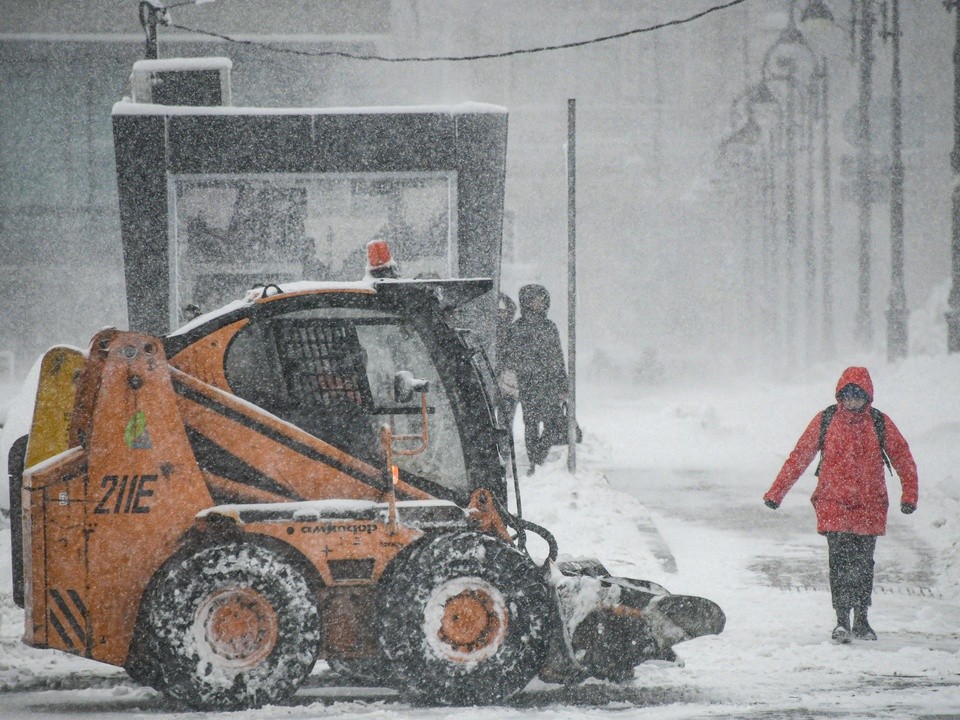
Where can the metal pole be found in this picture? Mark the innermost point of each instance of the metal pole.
(572, 284)
(773, 285)
(809, 262)
(953, 314)
(770, 315)
(750, 194)
(148, 20)
(790, 210)
(864, 325)
(897, 311)
(827, 269)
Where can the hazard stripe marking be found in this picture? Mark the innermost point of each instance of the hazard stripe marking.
(70, 616)
(61, 631)
(75, 596)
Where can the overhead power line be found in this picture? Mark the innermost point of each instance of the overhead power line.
(462, 58)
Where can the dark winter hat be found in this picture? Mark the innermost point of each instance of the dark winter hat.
(528, 293)
(852, 392)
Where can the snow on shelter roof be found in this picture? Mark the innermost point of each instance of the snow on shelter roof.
(128, 107)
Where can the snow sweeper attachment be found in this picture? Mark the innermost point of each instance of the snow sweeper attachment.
(316, 471)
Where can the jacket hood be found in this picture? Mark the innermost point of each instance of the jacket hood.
(858, 376)
(527, 295)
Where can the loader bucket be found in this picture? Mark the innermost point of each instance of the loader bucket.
(612, 624)
(696, 616)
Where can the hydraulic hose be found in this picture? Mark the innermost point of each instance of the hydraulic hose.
(521, 525)
(516, 476)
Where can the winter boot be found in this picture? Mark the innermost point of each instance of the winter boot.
(861, 628)
(843, 618)
(841, 633)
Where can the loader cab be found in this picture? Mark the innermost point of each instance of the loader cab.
(326, 359)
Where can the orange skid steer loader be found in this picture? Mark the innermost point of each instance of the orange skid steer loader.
(313, 472)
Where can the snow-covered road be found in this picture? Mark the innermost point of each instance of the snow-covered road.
(668, 489)
(768, 571)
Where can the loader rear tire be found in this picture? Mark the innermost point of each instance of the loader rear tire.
(235, 625)
(464, 620)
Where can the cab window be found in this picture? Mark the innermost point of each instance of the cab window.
(331, 372)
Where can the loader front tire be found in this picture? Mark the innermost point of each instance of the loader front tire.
(235, 625)
(464, 620)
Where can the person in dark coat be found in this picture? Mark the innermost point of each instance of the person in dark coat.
(534, 353)
(850, 499)
(506, 377)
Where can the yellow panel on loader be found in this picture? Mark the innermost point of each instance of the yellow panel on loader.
(56, 393)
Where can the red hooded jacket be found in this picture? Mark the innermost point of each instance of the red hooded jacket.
(851, 494)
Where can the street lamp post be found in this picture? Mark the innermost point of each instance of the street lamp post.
(751, 150)
(864, 325)
(782, 63)
(790, 200)
(813, 110)
(770, 148)
(953, 313)
(818, 20)
(739, 155)
(771, 115)
(897, 310)
(826, 271)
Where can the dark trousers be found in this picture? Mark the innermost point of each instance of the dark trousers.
(543, 428)
(851, 569)
(508, 410)
(536, 436)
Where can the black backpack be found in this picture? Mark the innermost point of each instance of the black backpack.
(879, 425)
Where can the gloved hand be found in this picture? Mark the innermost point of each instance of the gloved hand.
(907, 508)
(771, 504)
(508, 384)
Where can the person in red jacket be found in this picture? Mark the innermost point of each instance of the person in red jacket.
(850, 499)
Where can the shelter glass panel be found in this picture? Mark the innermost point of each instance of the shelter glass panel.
(230, 232)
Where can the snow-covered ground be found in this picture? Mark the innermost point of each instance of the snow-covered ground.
(668, 488)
